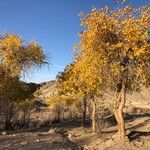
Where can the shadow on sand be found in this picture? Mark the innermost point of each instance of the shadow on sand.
(133, 135)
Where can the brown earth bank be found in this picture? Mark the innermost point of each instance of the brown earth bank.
(68, 135)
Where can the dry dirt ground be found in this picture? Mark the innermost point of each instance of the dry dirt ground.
(70, 136)
(36, 141)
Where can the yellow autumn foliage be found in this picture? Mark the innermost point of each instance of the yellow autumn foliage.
(17, 56)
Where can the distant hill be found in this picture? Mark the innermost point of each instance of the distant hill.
(139, 100)
(46, 89)
(33, 87)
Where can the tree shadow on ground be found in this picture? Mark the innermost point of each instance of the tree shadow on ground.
(133, 135)
(71, 124)
(65, 124)
(130, 118)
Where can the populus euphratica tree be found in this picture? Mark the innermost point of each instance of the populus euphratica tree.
(119, 41)
(16, 57)
(80, 80)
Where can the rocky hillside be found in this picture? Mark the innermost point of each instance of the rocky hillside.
(139, 100)
(46, 89)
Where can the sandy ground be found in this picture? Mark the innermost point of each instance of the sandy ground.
(36, 141)
(70, 136)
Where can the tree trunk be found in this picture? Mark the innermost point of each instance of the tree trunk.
(119, 114)
(8, 124)
(8, 117)
(94, 122)
(84, 112)
(58, 117)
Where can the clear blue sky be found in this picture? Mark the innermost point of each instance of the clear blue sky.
(53, 23)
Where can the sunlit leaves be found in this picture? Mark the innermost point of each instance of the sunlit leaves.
(116, 39)
(17, 56)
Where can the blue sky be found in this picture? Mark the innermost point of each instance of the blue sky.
(54, 24)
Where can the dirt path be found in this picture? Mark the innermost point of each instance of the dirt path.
(36, 141)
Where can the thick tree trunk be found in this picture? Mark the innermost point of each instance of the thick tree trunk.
(94, 122)
(118, 112)
(121, 124)
(84, 112)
